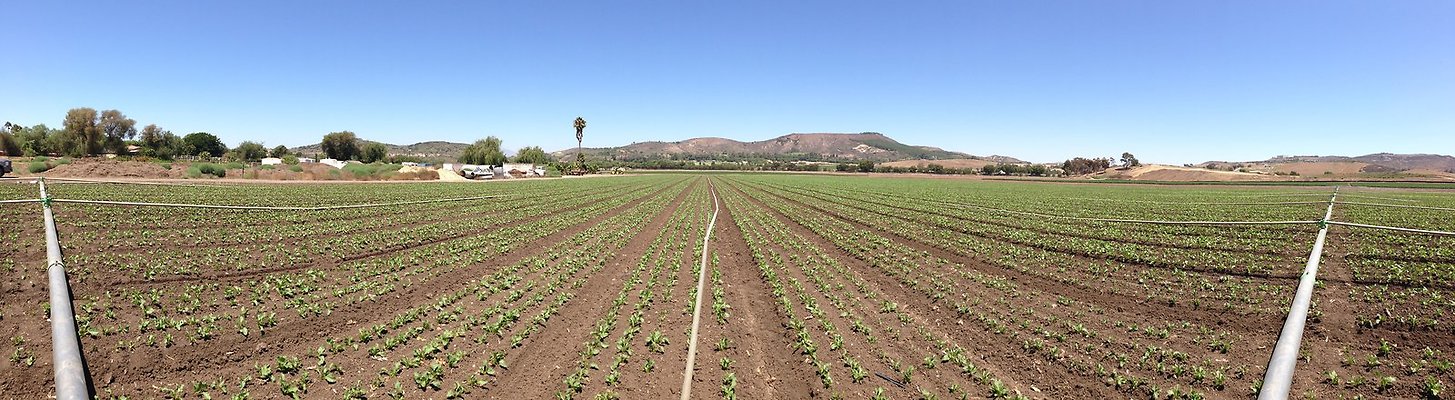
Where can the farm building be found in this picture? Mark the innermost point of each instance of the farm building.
(272, 161)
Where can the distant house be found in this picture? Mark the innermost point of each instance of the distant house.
(332, 163)
(409, 164)
(306, 160)
(272, 161)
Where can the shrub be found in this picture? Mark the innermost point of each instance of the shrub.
(268, 167)
(37, 167)
(381, 171)
(290, 159)
(296, 168)
(236, 165)
(63, 161)
(198, 170)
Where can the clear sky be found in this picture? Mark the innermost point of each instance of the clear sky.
(1171, 81)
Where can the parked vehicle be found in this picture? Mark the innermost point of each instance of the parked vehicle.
(478, 172)
(5, 166)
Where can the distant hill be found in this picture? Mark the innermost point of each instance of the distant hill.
(429, 150)
(792, 147)
(1369, 163)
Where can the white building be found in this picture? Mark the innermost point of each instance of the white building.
(272, 161)
(332, 163)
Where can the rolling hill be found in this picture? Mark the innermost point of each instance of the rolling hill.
(792, 147)
(1343, 165)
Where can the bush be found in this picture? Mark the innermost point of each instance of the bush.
(200, 169)
(290, 159)
(267, 167)
(381, 171)
(37, 167)
(296, 168)
(63, 161)
(236, 165)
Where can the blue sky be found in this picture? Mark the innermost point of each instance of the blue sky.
(1173, 82)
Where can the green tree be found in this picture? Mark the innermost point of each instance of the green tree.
(279, 151)
(202, 142)
(532, 155)
(82, 136)
(483, 152)
(9, 140)
(580, 125)
(1130, 160)
(115, 129)
(374, 152)
(158, 142)
(250, 151)
(37, 140)
(866, 166)
(341, 146)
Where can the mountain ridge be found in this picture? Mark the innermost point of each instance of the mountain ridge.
(871, 146)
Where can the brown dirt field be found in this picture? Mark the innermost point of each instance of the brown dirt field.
(98, 168)
(754, 327)
(1032, 378)
(1314, 169)
(958, 163)
(232, 353)
(547, 359)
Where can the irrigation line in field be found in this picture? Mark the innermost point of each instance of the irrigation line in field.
(73, 381)
(1278, 378)
(1379, 198)
(20, 201)
(271, 208)
(1201, 203)
(80, 180)
(1140, 221)
(1392, 228)
(1397, 206)
(697, 313)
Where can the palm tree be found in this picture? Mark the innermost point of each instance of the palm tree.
(580, 158)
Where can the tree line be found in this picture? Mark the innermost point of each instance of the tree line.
(88, 132)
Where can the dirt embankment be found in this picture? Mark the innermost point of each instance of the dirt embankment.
(1182, 174)
(954, 163)
(112, 169)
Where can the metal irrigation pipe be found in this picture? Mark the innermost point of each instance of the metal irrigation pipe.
(1392, 228)
(72, 378)
(1397, 206)
(1278, 378)
(20, 201)
(1140, 221)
